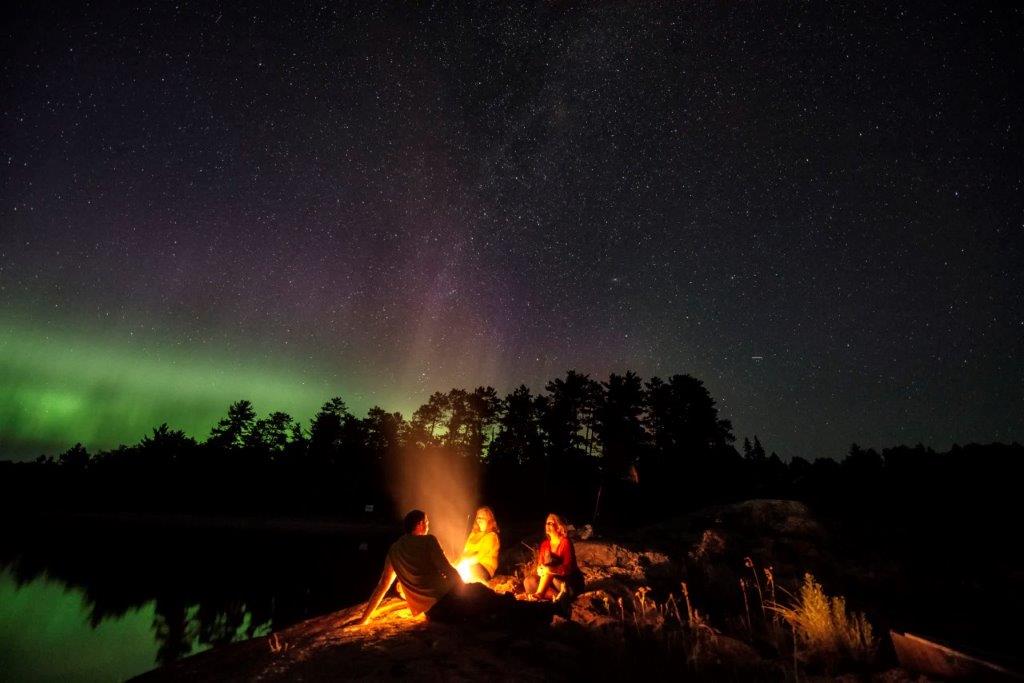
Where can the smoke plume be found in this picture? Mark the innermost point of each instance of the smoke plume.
(442, 484)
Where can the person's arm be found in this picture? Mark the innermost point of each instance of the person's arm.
(468, 553)
(550, 557)
(543, 570)
(563, 565)
(489, 546)
(541, 558)
(387, 577)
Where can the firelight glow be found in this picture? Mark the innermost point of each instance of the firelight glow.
(463, 568)
(444, 485)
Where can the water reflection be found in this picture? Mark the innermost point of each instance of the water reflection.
(162, 594)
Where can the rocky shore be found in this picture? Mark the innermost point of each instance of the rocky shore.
(662, 603)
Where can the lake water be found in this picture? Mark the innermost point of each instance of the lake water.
(89, 601)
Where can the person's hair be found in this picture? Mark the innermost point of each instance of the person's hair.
(412, 520)
(492, 523)
(559, 524)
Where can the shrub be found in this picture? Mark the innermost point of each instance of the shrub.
(824, 632)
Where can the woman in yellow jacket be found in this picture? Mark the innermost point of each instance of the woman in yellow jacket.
(479, 558)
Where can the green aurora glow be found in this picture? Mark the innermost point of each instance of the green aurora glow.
(57, 391)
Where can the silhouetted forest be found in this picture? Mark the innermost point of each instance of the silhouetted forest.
(621, 451)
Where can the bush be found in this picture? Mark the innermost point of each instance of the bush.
(825, 634)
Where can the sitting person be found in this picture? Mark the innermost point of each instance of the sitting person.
(431, 586)
(479, 558)
(558, 577)
(419, 564)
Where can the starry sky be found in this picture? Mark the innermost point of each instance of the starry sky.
(818, 209)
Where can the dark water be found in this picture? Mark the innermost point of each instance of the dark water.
(98, 601)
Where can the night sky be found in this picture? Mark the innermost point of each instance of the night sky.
(816, 209)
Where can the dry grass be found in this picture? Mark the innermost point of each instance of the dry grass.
(640, 636)
(648, 638)
(824, 632)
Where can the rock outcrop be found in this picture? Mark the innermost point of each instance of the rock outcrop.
(633, 603)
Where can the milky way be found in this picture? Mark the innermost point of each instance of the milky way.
(815, 209)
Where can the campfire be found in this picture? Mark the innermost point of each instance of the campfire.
(463, 568)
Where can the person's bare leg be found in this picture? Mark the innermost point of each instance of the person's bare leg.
(543, 588)
(478, 574)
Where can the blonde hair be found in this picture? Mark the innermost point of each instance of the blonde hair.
(560, 527)
(492, 523)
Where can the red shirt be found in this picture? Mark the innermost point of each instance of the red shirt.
(566, 554)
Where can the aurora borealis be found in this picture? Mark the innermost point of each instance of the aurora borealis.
(66, 389)
(817, 210)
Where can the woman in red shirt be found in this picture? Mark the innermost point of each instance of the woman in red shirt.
(557, 575)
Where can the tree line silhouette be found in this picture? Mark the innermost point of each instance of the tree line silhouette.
(622, 450)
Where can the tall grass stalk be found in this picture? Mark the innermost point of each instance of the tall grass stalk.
(749, 564)
(746, 604)
(689, 607)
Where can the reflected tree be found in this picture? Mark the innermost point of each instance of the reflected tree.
(171, 629)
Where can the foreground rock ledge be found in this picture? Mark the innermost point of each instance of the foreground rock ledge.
(589, 645)
(394, 645)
